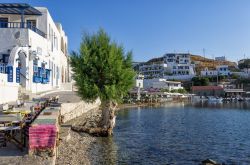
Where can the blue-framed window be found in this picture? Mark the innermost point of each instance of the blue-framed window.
(36, 74)
(10, 73)
(18, 75)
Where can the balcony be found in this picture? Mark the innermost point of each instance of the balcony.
(21, 25)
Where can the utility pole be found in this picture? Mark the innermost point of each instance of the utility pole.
(139, 93)
(213, 60)
(217, 78)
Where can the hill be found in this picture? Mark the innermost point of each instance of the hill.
(201, 63)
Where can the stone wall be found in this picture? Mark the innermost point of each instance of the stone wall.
(72, 110)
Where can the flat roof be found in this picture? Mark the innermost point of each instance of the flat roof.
(17, 8)
(173, 82)
(234, 90)
(197, 88)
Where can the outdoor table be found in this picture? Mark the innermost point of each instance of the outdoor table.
(29, 104)
(15, 111)
(10, 118)
(12, 130)
(42, 121)
(10, 134)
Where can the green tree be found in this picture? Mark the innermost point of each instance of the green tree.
(245, 64)
(182, 91)
(102, 70)
(200, 81)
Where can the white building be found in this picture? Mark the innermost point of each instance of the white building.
(153, 70)
(33, 49)
(179, 66)
(221, 70)
(244, 73)
(161, 84)
(139, 81)
(209, 73)
(170, 66)
(222, 58)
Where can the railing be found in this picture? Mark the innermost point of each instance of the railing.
(24, 25)
(3, 68)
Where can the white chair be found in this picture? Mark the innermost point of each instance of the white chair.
(5, 107)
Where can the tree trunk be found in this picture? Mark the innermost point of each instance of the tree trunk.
(105, 126)
(108, 117)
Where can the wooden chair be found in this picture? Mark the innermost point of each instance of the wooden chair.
(3, 140)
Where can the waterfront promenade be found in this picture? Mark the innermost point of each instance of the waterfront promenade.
(12, 155)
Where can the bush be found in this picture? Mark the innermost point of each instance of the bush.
(200, 81)
(182, 91)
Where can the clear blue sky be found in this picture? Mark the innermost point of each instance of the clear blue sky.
(151, 28)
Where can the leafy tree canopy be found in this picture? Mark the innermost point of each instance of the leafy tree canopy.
(102, 68)
(200, 81)
(245, 64)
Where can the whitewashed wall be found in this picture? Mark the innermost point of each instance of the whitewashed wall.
(179, 77)
(8, 91)
(139, 83)
(33, 41)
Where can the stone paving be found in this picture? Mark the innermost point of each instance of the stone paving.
(12, 155)
(66, 96)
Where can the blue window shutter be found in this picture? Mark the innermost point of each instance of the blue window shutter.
(10, 73)
(17, 75)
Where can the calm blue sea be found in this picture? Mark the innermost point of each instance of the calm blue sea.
(178, 133)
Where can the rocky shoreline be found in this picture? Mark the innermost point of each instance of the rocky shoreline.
(154, 104)
(77, 147)
(74, 147)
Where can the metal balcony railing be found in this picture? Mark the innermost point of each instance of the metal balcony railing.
(24, 25)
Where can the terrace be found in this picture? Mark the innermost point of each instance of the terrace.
(22, 10)
(22, 25)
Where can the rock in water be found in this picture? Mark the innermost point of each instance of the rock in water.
(209, 162)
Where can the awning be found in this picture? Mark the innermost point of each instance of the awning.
(18, 8)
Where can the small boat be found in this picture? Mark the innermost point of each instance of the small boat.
(215, 99)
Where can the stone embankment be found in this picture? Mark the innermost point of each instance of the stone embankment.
(70, 111)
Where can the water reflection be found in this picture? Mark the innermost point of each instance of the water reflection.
(179, 133)
(104, 151)
(227, 105)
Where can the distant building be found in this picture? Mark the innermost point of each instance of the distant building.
(223, 70)
(209, 73)
(222, 58)
(170, 66)
(161, 84)
(244, 73)
(179, 64)
(236, 92)
(208, 90)
(153, 70)
(139, 81)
